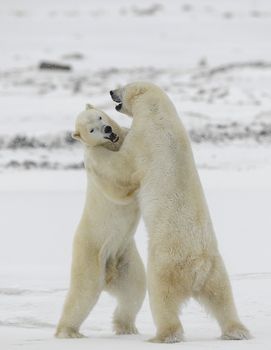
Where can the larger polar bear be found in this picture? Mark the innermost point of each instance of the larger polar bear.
(105, 256)
(184, 260)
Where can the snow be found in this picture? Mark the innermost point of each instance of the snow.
(35, 265)
(213, 58)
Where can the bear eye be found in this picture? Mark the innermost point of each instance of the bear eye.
(100, 118)
(91, 131)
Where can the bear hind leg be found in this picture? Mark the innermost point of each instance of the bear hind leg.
(129, 288)
(166, 299)
(83, 294)
(216, 296)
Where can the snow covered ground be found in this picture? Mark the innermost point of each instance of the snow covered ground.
(35, 264)
(214, 60)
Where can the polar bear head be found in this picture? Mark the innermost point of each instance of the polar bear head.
(130, 94)
(93, 127)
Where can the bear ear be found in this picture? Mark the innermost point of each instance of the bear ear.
(76, 135)
(89, 106)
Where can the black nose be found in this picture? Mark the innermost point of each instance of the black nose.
(107, 129)
(111, 92)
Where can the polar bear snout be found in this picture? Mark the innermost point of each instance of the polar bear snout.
(110, 135)
(115, 96)
(107, 129)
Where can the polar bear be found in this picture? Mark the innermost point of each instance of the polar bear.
(105, 256)
(184, 260)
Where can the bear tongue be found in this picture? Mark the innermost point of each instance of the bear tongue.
(113, 137)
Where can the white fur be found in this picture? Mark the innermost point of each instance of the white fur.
(184, 260)
(105, 256)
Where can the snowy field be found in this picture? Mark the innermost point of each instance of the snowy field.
(214, 60)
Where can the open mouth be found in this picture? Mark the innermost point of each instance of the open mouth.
(112, 137)
(116, 99)
(118, 107)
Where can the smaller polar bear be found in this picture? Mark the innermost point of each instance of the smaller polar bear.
(105, 256)
(184, 260)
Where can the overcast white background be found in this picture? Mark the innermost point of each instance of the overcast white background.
(214, 60)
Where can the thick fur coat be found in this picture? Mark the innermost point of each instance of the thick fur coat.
(105, 256)
(184, 260)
